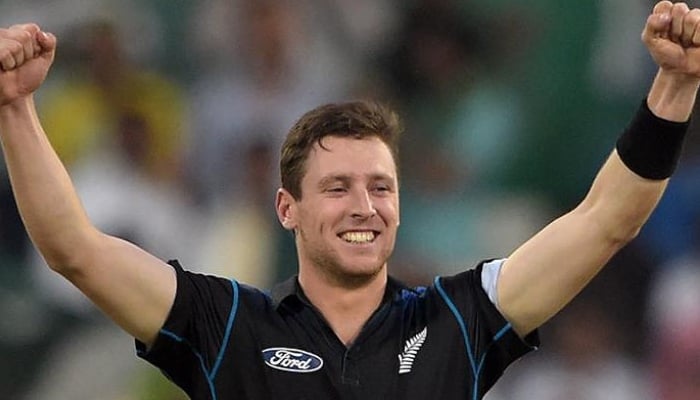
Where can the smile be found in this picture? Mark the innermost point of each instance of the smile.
(359, 236)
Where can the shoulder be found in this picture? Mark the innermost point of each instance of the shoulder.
(201, 288)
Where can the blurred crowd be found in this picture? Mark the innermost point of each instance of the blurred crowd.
(169, 116)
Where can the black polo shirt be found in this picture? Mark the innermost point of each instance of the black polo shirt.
(228, 341)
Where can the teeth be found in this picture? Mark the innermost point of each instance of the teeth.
(358, 237)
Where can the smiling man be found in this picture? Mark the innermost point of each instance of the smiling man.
(342, 328)
(340, 197)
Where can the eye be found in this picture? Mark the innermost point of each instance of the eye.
(336, 189)
(381, 188)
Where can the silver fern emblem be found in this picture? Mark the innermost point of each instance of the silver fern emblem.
(410, 351)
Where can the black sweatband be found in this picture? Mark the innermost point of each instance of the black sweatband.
(651, 146)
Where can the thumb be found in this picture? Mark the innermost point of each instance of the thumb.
(47, 43)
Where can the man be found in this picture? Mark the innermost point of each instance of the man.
(343, 329)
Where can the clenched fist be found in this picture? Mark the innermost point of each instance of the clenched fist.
(672, 35)
(26, 54)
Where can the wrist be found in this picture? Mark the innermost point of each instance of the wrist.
(16, 115)
(17, 107)
(651, 146)
(672, 95)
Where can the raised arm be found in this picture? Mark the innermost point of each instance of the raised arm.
(546, 272)
(132, 287)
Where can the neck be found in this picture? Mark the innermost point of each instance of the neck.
(346, 309)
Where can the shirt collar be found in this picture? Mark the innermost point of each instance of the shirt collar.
(285, 290)
(290, 289)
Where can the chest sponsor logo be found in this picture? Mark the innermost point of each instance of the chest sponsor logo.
(292, 360)
(410, 351)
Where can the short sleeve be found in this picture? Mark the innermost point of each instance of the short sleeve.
(491, 341)
(194, 334)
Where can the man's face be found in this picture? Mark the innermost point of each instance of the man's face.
(347, 218)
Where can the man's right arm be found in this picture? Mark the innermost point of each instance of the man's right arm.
(132, 287)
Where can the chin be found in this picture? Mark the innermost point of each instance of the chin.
(356, 279)
(352, 275)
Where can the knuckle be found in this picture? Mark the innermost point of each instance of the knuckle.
(14, 28)
(15, 47)
(680, 9)
(24, 35)
(6, 51)
(662, 6)
(32, 28)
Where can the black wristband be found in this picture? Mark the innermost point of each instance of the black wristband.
(651, 146)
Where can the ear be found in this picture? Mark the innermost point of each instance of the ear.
(285, 205)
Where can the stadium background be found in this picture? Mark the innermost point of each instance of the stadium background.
(169, 114)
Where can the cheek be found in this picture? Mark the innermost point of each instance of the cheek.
(319, 217)
(390, 213)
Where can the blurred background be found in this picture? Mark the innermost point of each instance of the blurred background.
(169, 116)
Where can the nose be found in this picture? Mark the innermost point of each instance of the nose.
(362, 205)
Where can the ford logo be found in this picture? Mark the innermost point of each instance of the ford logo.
(292, 360)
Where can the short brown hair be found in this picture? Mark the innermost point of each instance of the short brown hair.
(358, 119)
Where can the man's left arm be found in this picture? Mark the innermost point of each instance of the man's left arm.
(546, 272)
